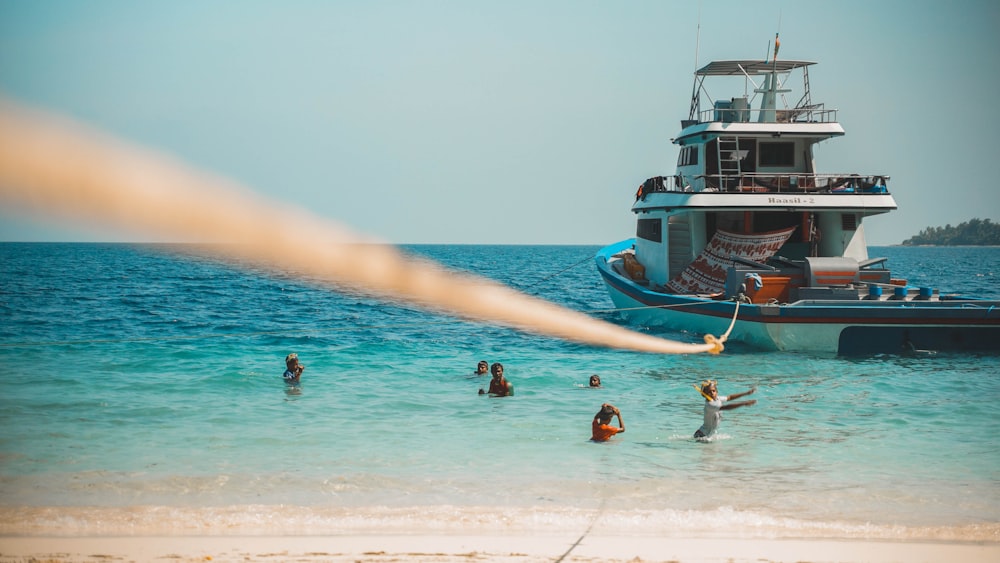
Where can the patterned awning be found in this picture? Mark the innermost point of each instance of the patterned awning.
(707, 274)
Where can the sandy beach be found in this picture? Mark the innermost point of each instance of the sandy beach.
(503, 548)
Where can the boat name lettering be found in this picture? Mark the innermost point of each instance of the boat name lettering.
(792, 200)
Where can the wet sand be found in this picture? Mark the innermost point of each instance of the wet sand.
(502, 548)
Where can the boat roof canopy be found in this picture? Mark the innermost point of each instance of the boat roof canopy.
(738, 68)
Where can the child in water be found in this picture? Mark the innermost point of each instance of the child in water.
(715, 404)
(293, 369)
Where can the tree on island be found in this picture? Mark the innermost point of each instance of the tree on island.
(977, 232)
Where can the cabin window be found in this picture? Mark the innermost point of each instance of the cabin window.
(687, 156)
(849, 222)
(649, 229)
(777, 154)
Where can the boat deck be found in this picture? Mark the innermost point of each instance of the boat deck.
(780, 288)
(764, 183)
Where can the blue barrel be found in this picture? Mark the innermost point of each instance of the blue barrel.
(875, 291)
(926, 292)
(899, 292)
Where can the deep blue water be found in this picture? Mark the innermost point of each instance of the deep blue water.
(135, 377)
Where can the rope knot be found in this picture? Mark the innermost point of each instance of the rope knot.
(716, 344)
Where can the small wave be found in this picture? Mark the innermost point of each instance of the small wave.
(300, 520)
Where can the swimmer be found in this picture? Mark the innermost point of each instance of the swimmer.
(595, 381)
(482, 368)
(714, 404)
(293, 369)
(499, 386)
(601, 429)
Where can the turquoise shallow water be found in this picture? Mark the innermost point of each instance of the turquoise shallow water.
(142, 393)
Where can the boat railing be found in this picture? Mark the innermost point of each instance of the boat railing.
(725, 113)
(758, 182)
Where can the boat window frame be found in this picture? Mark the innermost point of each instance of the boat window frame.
(769, 155)
(688, 156)
(650, 229)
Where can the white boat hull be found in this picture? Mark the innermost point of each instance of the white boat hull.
(821, 338)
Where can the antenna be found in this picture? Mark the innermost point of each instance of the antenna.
(777, 43)
(697, 38)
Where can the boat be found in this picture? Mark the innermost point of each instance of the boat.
(748, 236)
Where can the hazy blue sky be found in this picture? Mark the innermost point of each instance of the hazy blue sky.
(503, 121)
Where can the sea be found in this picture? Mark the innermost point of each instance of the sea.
(143, 395)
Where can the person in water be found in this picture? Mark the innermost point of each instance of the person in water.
(601, 429)
(293, 369)
(482, 368)
(595, 381)
(499, 386)
(715, 404)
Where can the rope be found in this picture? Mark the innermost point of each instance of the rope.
(709, 339)
(736, 313)
(650, 307)
(600, 511)
(547, 278)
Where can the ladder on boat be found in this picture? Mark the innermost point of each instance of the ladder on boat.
(728, 153)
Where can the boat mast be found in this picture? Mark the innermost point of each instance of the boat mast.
(769, 90)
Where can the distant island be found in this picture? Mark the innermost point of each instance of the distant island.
(977, 232)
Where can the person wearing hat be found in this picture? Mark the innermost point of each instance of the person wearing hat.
(601, 429)
(293, 369)
(715, 404)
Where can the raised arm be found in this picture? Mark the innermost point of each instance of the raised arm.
(744, 394)
(730, 406)
(618, 413)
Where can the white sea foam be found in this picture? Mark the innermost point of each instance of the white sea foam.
(447, 519)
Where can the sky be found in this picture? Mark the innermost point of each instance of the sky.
(501, 122)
